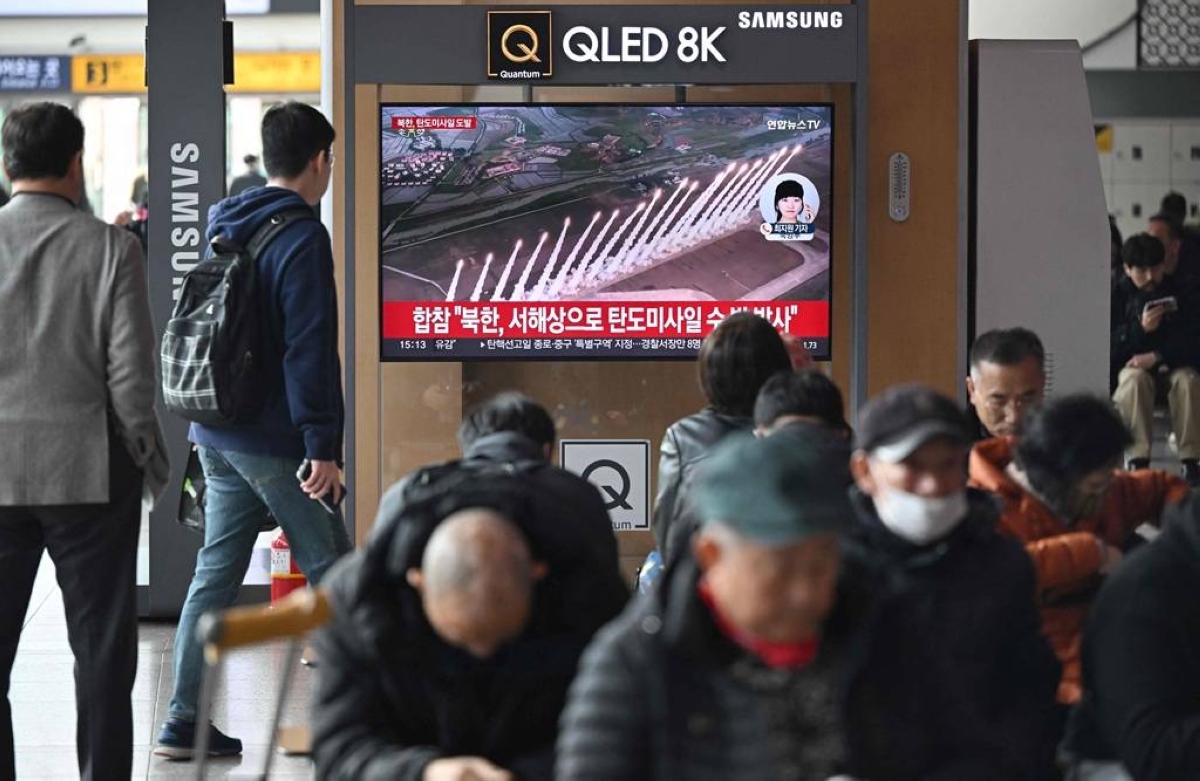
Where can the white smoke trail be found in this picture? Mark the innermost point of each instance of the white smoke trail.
(458, 267)
(519, 290)
(482, 278)
(498, 293)
(560, 280)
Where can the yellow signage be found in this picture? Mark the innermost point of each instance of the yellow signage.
(108, 73)
(271, 72)
(253, 72)
(1104, 138)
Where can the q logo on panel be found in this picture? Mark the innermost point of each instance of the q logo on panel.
(520, 45)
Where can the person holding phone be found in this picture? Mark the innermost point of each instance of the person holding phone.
(1156, 337)
(252, 467)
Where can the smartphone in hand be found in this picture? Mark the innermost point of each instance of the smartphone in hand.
(1169, 303)
(326, 501)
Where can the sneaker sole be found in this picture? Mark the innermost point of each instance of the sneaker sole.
(169, 752)
(179, 754)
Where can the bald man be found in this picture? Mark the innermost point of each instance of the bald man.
(452, 647)
(476, 581)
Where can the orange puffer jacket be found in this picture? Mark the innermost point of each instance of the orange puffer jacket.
(1065, 555)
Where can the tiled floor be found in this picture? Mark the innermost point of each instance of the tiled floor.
(43, 700)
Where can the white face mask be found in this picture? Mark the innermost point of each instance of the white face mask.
(920, 519)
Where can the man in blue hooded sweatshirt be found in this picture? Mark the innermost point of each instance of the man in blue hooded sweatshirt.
(252, 467)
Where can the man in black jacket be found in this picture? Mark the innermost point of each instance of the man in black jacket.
(454, 640)
(1141, 701)
(805, 396)
(723, 672)
(807, 405)
(1158, 330)
(951, 677)
(509, 428)
(513, 434)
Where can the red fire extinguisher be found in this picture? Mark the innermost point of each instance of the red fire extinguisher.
(285, 575)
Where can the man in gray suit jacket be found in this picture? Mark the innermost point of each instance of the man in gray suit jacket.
(79, 441)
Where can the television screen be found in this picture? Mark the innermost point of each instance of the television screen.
(600, 231)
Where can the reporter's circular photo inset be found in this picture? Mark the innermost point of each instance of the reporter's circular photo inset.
(789, 204)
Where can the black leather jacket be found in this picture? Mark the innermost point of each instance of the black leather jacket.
(684, 447)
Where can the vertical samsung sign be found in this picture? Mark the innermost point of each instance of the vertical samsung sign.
(185, 212)
(187, 175)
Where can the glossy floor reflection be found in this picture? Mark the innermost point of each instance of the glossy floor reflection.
(43, 700)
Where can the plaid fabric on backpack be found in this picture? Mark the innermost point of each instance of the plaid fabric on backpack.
(212, 346)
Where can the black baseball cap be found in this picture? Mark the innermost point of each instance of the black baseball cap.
(901, 419)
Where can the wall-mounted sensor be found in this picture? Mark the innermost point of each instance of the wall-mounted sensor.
(899, 186)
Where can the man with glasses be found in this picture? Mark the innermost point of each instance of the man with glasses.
(1008, 374)
(254, 467)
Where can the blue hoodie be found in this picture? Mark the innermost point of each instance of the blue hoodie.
(302, 378)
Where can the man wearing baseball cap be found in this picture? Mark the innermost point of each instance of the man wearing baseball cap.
(952, 665)
(725, 671)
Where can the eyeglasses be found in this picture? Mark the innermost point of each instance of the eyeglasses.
(330, 156)
(1018, 404)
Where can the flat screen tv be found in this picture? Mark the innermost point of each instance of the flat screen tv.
(583, 231)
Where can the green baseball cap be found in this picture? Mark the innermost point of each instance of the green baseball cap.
(775, 491)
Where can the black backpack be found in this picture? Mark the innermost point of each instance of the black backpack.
(212, 347)
(408, 517)
(580, 593)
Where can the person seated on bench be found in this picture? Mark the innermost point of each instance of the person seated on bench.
(1157, 336)
(456, 633)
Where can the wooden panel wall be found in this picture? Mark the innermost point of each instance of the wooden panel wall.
(407, 413)
(913, 107)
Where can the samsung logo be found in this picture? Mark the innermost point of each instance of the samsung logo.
(790, 20)
(185, 210)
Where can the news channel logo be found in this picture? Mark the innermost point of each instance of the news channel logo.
(520, 45)
(789, 204)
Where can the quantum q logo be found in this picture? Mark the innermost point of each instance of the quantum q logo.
(520, 45)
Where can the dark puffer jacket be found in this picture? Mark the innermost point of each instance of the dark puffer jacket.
(685, 446)
(1141, 659)
(950, 677)
(391, 696)
(663, 695)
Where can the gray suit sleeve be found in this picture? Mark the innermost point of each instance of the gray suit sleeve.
(132, 371)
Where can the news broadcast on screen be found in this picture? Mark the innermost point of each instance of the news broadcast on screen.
(600, 231)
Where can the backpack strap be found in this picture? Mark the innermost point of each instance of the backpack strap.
(272, 227)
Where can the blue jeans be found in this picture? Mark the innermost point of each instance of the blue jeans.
(240, 488)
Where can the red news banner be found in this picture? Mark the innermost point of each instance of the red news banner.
(591, 319)
(434, 123)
